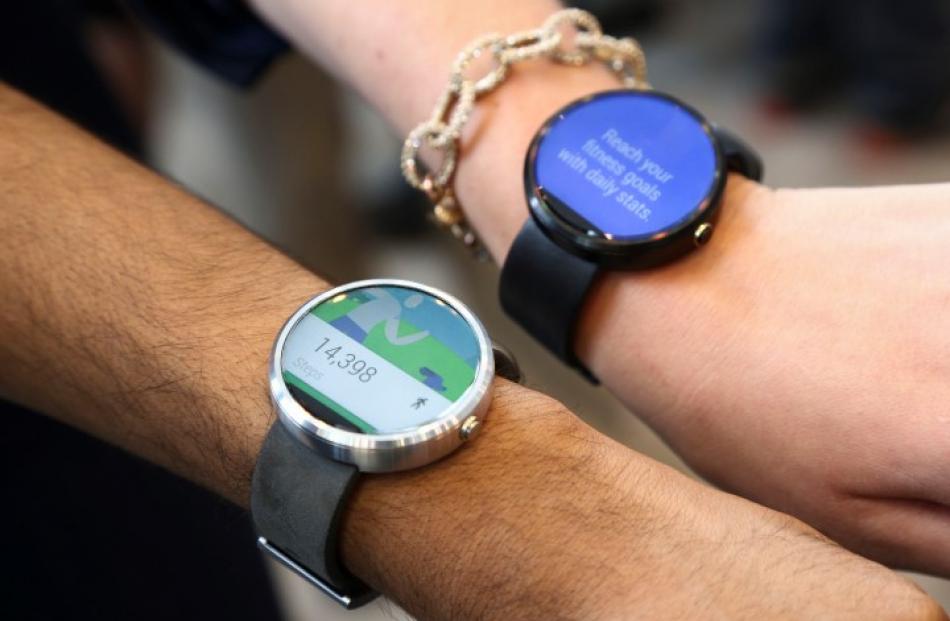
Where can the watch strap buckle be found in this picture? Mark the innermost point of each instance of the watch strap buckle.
(347, 601)
(506, 365)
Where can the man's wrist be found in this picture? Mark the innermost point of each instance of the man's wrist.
(510, 508)
(152, 331)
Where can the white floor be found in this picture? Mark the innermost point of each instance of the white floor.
(275, 158)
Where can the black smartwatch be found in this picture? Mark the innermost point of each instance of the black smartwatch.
(374, 376)
(622, 179)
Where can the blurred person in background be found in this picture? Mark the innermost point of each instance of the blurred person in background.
(890, 60)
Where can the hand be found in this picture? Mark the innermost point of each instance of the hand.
(802, 359)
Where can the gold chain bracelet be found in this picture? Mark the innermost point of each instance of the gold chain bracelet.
(442, 131)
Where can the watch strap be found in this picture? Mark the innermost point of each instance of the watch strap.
(543, 288)
(297, 500)
(740, 157)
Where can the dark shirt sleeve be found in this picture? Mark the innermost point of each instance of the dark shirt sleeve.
(223, 36)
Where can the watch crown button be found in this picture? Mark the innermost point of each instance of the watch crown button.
(469, 427)
(702, 234)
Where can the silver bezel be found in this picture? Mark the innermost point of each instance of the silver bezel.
(385, 452)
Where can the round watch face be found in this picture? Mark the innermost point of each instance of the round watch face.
(623, 166)
(383, 358)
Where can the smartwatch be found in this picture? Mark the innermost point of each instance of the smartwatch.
(373, 376)
(622, 179)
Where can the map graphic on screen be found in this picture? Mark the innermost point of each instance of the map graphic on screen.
(380, 359)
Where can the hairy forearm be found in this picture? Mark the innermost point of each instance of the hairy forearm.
(139, 314)
(130, 310)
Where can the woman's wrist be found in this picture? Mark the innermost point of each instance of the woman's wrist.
(490, 178)
(490, 186)
(636, 321)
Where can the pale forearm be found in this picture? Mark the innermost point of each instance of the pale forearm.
(398, 54)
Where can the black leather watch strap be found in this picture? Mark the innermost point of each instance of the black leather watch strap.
(543, 288)
(740, 157)
(297, 500)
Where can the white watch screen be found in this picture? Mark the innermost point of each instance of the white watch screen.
(380, 360)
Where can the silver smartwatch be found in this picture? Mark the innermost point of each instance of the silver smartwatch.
(374, 376)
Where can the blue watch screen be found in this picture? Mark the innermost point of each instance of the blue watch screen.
(626, 164)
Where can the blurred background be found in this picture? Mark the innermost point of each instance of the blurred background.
(830, 92)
